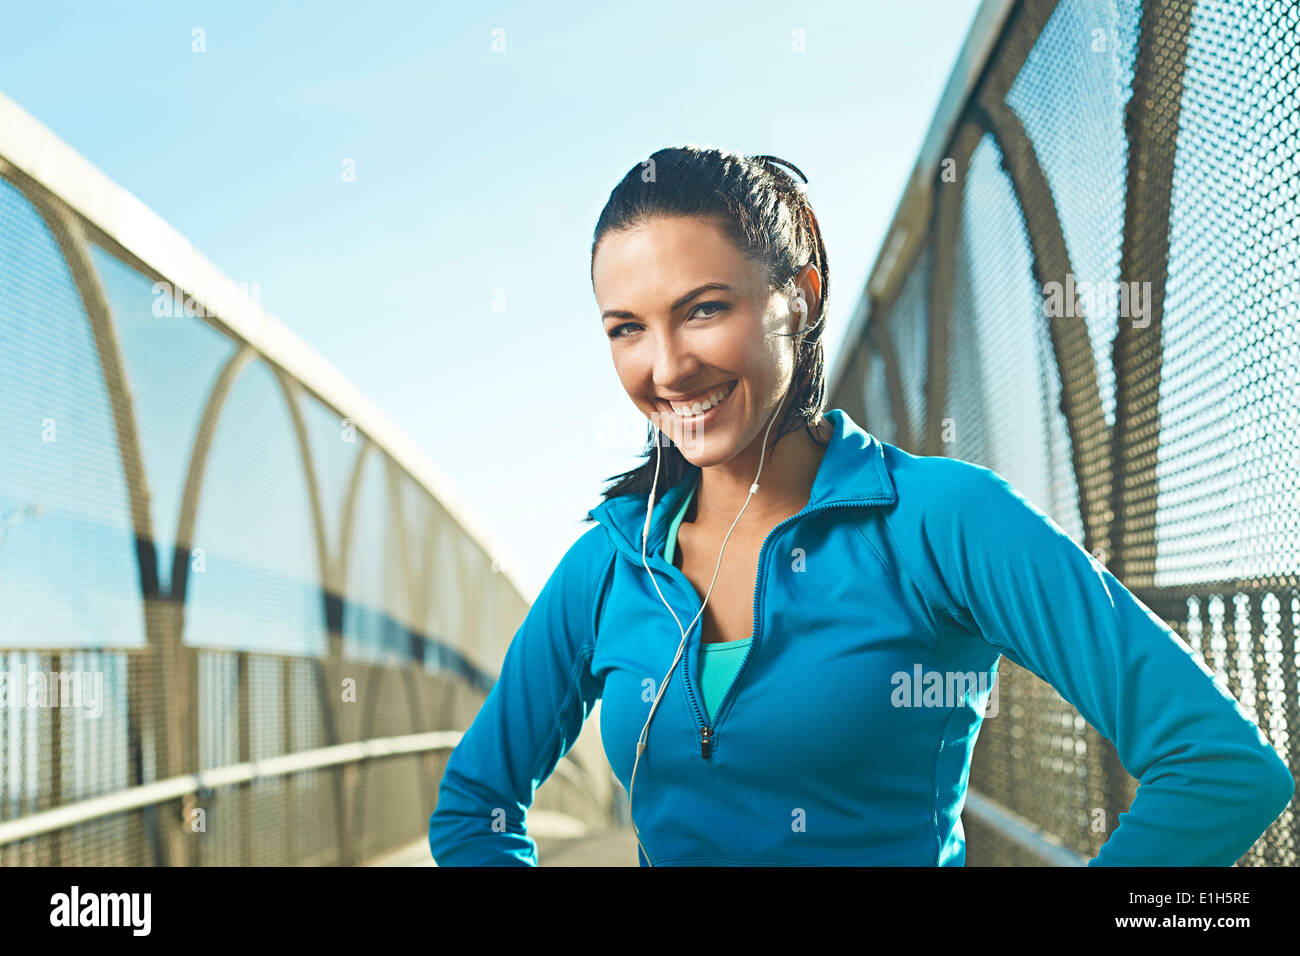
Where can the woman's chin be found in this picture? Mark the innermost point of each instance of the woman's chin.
(702, 445)
(705, 449)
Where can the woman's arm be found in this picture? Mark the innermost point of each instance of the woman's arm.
(1210, 783)
(529, 721)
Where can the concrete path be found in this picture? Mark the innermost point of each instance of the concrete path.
(561, 841)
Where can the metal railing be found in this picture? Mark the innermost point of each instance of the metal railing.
(285, 613)
(1091, 285)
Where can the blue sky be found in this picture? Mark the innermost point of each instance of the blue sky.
(476, 171)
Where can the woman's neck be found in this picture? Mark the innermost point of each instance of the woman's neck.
(785, 485)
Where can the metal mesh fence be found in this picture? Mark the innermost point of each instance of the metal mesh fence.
(1143, 157)
(235, 571)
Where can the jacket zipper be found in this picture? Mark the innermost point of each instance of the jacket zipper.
(707, 732)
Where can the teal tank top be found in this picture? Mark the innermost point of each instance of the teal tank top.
(719, 662)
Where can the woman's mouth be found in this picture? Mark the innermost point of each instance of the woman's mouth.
(697, 413)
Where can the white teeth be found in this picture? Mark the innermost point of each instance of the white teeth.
(699, 408)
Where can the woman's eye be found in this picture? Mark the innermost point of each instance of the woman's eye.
(717, 307)
(721, 306)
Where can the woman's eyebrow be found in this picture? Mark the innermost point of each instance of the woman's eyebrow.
(624, 314)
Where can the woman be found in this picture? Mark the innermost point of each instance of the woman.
(822, 704)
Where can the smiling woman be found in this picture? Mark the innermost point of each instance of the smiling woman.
(708, 366)
(703, 262)
(781, 739)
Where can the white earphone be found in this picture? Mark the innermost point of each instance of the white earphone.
(645, 531)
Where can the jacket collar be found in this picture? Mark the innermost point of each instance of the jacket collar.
(853, 471)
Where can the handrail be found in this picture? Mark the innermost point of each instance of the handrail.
(173, 788)
(1013, 827)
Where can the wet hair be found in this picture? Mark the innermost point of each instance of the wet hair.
(765, 211)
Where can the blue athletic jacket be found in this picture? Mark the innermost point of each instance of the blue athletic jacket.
(900, 567)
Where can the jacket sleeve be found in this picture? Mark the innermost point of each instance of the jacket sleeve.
(528, 722)
(1209, 782)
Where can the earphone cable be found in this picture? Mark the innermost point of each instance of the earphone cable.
(645, 531)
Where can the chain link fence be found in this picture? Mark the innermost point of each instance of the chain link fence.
(1091, 287)
(240, 623)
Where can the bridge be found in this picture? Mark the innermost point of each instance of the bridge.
(283, 619)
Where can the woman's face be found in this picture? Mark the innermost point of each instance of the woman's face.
(675, 341)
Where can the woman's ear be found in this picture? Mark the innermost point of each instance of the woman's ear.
(804, 298)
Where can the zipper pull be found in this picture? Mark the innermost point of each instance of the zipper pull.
(706, 733)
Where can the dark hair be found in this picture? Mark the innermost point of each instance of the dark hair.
(766, 213)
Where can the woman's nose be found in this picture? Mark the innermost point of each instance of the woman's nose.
(673, 362)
